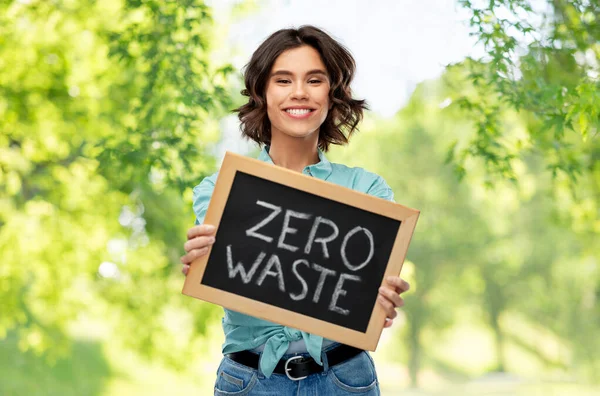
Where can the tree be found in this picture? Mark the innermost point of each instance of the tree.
(540, 60)
(543, 61)
(108, 110)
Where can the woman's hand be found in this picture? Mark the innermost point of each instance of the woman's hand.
(200, 238)
(389, 297)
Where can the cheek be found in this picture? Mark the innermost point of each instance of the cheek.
(274, 100)
(271, 106)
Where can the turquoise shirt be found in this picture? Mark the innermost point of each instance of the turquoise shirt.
(243, 332)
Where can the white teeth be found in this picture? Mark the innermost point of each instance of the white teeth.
(298, 111)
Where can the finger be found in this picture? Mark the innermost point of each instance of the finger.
(200, 230)
(193, 255)
(185, 269)
(387, 306)
(392, 296)
(198, 243)
(388, 323)
(399, 284)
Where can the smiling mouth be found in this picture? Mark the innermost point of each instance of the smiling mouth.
(299, 111)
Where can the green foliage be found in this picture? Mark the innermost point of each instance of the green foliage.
(162, 47)
(107, 112)
(543, 62)
(84, 372)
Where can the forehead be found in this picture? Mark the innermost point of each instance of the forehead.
(299, 60)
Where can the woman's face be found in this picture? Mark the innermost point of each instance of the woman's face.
(297, 94)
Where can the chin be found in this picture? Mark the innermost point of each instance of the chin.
(301, 135)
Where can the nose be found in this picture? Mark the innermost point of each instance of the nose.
(299, 91)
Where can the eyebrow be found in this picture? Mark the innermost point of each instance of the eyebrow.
(289, 73)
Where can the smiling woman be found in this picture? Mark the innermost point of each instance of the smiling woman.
(300, 102)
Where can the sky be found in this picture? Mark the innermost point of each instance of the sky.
(396, 43)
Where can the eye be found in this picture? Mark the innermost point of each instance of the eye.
(315, 81)
(282, 81)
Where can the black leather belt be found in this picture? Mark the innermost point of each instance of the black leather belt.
(298, 367)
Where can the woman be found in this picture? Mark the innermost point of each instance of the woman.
(298, 84)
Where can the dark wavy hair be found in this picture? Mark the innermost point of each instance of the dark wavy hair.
(345, 113)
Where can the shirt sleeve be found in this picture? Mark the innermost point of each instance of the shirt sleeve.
(201, 197)
(380, 189)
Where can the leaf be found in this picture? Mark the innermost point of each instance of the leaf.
(583, 126)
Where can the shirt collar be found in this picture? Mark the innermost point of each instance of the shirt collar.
(320, 170)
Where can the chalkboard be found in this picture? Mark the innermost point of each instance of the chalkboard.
(299, 251)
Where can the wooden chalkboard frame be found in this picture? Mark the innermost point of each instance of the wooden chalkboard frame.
(233, 163)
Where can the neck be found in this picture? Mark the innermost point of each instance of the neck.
(294, 153)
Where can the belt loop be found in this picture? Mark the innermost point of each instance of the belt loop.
(325, 362)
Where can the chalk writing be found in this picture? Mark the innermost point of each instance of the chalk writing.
(322, 232)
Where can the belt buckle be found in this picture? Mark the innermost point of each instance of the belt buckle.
(287, 370)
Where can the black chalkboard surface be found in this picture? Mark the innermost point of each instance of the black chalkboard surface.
(301, 252)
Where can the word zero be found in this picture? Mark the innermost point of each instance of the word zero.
(286, 229)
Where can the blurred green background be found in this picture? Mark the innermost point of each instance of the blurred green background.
(111, 111)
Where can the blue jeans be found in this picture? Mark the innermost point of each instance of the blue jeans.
(355, 376)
